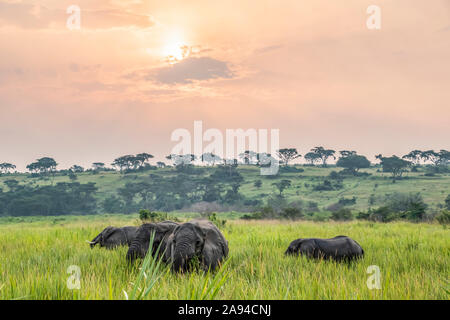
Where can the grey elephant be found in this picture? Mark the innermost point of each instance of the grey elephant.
(112, 237)
(340, 248)
(197, 239)
(140, 245)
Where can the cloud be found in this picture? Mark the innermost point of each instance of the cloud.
(190, 69)
(268, 48)
(36, 16)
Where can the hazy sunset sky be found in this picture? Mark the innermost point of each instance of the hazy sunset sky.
(138, 69)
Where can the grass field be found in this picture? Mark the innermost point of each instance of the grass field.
(414, 261)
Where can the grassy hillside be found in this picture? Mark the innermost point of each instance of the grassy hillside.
(414, 262)
(434, 189)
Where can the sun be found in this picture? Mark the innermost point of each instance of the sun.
(175, 49)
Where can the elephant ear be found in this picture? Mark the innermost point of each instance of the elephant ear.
(294, 247)
(215, 247)
(107, 232)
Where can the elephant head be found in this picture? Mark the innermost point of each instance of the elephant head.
(196, 239)
(294, 247)
(102, 236)
(112, 237)
(140, 245)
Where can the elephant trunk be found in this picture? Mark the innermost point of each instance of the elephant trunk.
(183, 253)
(134, 251)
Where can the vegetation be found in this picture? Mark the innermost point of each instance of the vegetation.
(359, 190)
(413, 261)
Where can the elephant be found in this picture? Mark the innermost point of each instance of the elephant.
(112, 237)
(199, 239)
(139, 246)
(340, 248)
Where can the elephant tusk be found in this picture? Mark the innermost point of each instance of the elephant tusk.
(90, 242)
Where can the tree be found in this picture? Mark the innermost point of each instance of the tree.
(43, 166)
(324, 154)
(347, 153)
(414, 156)
(394, 165)
(210, 158)
(160, 164)
(248, 156)
(181, 159)
(288, 154)
(76, 169)
(282, 185)
(353, 162)
(126, 162)
(431, 156)
(98, 166)
(6, 167)
(312, 157)
(444, 157)
(142, 158)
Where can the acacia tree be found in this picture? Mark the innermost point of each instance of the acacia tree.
(353, 162)
(142, 158)
(98, 166)
(431, 156)
(347, 153)
(160, 164)
(288, 154)
(181, 159)
(248, 156)
(324, 154)
(43, 165)
(282, 185)
(77, 169)
(312, 158)
(6, 167)
(394, 165)
(414, 157)
(210, 158)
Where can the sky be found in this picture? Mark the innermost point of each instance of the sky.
(137, 70)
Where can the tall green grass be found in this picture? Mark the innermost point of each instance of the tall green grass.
(414, 260)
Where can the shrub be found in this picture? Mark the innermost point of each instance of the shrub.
(343, 214)
(149, 216)
(292, 213)
(347, 202)
(220, 223)
(444, 217)
(321, 216)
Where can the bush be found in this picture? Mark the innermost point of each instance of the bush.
(292, 213)
(328, 186)
(347, 202)
(444, 217)
(343, 214)
(321, 216)
(149, 216)
(220, 223)
(289, 169)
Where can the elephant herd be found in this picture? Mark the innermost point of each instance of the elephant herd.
(200, 240)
